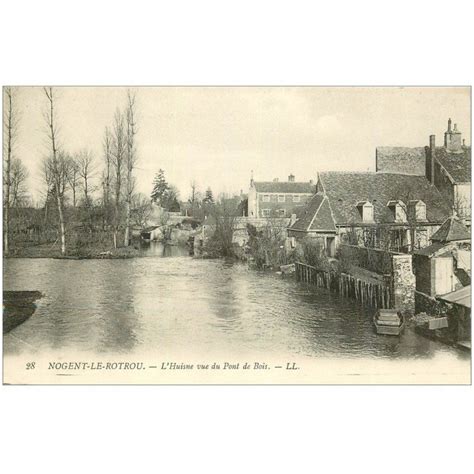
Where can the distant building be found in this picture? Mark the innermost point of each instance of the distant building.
(395, 211)
(447, 167)
(277, 198)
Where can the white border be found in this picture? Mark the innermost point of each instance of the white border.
(236, 429)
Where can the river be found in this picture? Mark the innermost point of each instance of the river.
(171, 303)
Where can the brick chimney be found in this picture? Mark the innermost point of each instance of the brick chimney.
(452, 139)
(431, 176)
(291, 178)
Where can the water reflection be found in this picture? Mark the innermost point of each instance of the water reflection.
(177, 304)
(159, 249)
(117, 319)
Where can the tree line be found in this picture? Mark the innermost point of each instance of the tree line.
(90, 202)
(78, 200)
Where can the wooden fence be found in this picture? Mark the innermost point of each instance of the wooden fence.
(377, 295)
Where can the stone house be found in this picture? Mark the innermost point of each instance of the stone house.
(277, 198)
(447, 167)
(392, 211)
(444, 266)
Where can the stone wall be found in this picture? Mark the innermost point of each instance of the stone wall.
(403, 281)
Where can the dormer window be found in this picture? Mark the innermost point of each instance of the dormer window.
(417, 211)
(399, 210)
(366, 210)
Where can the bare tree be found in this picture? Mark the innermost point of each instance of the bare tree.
(106, 176)
(142, 210)
(73, 179)
(194, 197)
(18, 176)
(56, 168)
(222, 223)
(461, 206)
(86, 168)
(119, 146)
(10, 128)
(131, 158)
(49, 188)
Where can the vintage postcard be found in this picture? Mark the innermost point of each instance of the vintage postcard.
(236, 235)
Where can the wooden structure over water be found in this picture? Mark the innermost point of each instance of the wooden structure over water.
(371, 293)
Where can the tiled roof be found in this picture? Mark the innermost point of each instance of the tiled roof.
(458, 165)
(400, 159)
(315, 216)
(284, 187)
(461, 297)
(430, 250)
(451, 230)
(323, 219)
(346, 189)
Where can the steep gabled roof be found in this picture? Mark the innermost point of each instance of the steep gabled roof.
(451, 230)
(345, 189)
(316, 216)
(401, 159)
(458, 165)
(285, 187)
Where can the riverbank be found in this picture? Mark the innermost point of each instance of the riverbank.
(96, 252)
(18, 306)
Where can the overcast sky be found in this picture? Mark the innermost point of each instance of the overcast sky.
(217, 135)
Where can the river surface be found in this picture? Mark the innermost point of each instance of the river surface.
(171, 303)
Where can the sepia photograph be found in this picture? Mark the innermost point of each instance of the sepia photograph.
(236, 235)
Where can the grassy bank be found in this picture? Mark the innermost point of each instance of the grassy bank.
(18, 306)
(95, 251)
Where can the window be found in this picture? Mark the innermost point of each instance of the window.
(417, 211)
(281, 212)
(265, 212)
(399, 210)
(281, 198)
(293, 242)
(366, 210)
(266, 198)
(296, 198)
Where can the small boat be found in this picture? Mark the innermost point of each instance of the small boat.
(389, 321)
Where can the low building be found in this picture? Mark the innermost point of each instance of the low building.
(277, 198)
(382, 210)
(444, 266)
